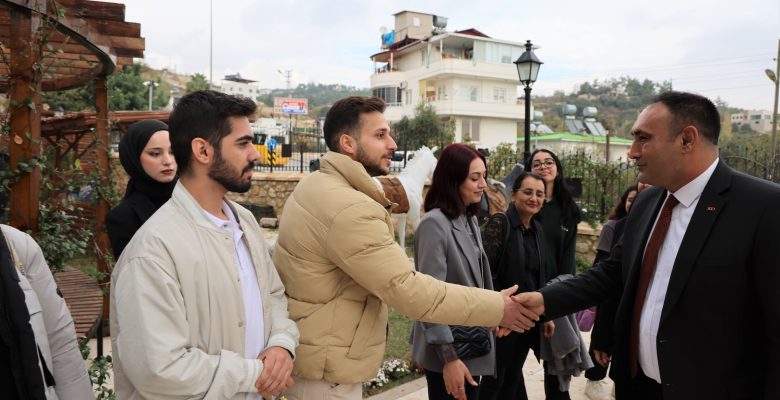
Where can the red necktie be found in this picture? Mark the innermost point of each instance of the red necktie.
(646, 274)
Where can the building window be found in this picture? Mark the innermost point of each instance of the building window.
(442, 93)
(499, 95)
(472, 93)
(391, 95)
(470, 129)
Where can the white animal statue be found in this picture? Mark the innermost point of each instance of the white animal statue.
(412, 179)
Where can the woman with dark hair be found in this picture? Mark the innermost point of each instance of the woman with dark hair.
(146, 155)
(447, 246)
(514, 246)
(608, 235)
(559, 218)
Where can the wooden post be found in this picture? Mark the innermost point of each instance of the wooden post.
(101, 133)
(25, 120)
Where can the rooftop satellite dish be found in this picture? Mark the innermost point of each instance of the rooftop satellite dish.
(383, 29)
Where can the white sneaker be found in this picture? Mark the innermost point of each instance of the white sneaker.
(599, 390)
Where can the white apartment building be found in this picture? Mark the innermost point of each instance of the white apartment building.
(759, 120)
(465, 74)
(237, 85)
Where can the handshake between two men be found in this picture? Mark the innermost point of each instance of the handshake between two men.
(521, 311)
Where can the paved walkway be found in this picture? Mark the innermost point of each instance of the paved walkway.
(534, 382)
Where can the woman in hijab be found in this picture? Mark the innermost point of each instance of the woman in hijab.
(146, 155)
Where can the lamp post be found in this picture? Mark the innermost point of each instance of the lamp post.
(527, 69)
(151, 85)
(774, 77)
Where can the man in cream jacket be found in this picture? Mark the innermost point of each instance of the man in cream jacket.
(197, 308)
(340, 264)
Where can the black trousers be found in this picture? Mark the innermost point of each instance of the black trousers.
(509, 382)
(644, 388)
(437, 390)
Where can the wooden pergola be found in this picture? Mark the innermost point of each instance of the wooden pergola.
(50, 45)
(54, 45)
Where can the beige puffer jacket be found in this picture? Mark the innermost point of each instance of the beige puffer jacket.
(339, 262)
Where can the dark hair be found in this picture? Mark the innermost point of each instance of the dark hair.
(204, 114)
(570, 212)
(691, 109)
(451, 170)
(619, 211)
(525, 174)
(344, 117)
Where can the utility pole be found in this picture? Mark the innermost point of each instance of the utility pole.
(774, 115)
(151, 85)
(211, 44)
(287, 74)
(775, 77)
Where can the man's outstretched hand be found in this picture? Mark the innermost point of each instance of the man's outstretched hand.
(533, 301)
(517, 316)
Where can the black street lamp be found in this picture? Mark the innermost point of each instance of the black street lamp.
(528, 69)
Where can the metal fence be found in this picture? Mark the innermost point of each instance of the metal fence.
(752, 162)
(596, 184)
(305, 157)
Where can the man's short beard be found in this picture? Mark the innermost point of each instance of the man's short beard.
(371, 167)
(226, 176)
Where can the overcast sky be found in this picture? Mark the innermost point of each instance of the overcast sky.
(717, 48)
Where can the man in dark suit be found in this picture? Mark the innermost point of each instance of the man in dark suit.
(698, 268)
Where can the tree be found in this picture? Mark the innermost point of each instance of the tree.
(198, 82)
(426, 128)
(126, 91)
(78, 99)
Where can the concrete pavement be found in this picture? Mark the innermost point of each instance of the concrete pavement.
(534, 382)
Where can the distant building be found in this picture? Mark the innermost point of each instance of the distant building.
(465, 75)
(567, 143)
(759, 120)
(237, 85)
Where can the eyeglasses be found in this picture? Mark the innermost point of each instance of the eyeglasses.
(547, 162)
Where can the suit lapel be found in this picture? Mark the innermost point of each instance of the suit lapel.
(707, 210)
(461, 233)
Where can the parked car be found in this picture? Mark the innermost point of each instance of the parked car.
(397, 162)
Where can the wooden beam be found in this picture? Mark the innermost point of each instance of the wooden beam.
(94, 10)
(69, 81)
(25, 121)
(117, 28)
(129, 53)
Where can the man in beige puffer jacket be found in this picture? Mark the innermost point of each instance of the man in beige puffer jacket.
(339, 262)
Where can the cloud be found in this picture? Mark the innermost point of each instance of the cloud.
(331, 41)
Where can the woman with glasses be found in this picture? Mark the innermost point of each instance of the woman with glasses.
(559, 218)
(513, 244)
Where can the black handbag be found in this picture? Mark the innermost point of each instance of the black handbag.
(470, 341)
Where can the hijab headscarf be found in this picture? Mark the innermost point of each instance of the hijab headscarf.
(130, 148)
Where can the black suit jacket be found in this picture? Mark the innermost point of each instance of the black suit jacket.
(719, 333)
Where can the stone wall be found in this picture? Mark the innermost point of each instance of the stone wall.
(269, 189)
(587, 239)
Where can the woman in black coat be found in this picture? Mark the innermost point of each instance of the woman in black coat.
(514, 244)
(145, 153)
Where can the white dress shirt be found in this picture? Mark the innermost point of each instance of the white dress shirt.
(254, 339)
(688, 196)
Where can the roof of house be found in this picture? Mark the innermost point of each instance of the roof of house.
(571, 137)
